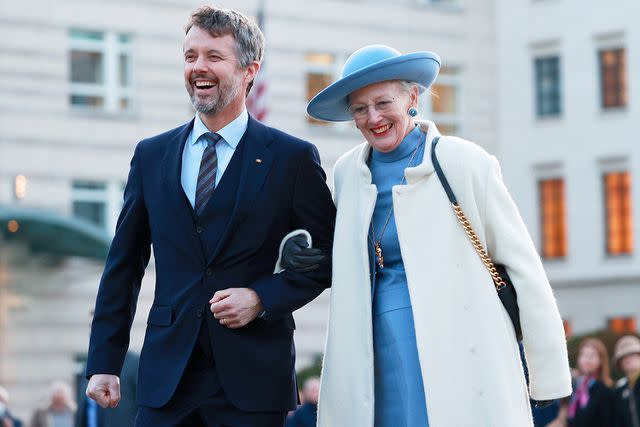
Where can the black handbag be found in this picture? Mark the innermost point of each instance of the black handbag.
(502, 281)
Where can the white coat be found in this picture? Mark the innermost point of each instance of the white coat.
(468, 353)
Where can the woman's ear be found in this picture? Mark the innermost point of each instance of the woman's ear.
(414, 95)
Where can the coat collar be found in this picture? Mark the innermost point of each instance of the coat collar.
(413, 174)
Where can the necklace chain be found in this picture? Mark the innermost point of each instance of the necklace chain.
(377, 243)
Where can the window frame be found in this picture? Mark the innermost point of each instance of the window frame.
(451, 77)
(111, 46)
(621, 82)
(333, 70)
(560, 225)
(542, 95)
(110, 196)
(618, 168)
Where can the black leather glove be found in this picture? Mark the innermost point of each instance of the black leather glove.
(298, 257)
(543, 403)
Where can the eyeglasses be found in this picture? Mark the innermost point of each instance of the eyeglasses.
(361, 111)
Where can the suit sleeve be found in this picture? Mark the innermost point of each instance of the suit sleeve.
(312, 209)
(120, 284)
(509, 243)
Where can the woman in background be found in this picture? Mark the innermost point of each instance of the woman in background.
(590, 403)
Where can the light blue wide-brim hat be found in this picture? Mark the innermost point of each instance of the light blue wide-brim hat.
(368, 65)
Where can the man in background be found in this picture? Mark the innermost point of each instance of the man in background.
(90, 414)
(307, 414)
(626, 404)
(6, 419)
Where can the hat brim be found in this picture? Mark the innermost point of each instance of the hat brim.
(332, 103)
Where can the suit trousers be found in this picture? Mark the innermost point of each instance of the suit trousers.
(199, 399)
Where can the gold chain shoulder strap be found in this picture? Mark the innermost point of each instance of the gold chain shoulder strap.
(466, 224)
(477, 245)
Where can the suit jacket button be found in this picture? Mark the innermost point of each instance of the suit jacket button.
(209, 271)
(199, 312)
(199, 229)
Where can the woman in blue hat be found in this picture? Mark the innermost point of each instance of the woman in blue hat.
(417, 335)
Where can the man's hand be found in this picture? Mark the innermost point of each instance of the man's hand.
(104, 389)
(235, 307)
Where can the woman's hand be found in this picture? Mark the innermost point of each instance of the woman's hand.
(298, 257)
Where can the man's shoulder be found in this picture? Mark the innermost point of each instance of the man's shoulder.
(165, 137)
(282, 140)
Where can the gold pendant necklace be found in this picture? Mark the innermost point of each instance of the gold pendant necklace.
(377, 243)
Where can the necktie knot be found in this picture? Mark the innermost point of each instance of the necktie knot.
(212, 138)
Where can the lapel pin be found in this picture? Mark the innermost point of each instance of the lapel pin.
(258, 160)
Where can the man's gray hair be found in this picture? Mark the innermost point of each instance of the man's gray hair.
(221, 22)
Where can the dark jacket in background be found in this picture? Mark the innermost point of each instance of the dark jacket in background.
(623, 401)
(7, 415)
(124, 414)
(305, 416)
(597, 413)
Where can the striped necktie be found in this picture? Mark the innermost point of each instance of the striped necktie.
(207, 174)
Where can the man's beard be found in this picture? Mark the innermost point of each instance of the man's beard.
(226, 92)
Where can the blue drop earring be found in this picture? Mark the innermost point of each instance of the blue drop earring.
(412, 112)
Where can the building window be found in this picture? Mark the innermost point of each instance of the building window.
(444, 103)
(613, 77)
(623, 325)
(552, 216)
(100, 70)
(98, 202)
(619, 220)
(320, 74)
(453, 2)
(90, 201)
(547, 75)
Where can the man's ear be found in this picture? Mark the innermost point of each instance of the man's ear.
(251, 71)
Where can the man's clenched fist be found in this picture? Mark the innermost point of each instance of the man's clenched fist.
(104, 389)
(235, 307)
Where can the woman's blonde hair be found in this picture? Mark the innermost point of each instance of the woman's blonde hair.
(602, 374)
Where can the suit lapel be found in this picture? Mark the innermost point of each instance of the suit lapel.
(256, 162)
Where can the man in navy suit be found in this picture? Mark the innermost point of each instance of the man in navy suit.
(214, 197)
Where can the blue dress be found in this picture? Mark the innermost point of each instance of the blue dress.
(399, 391)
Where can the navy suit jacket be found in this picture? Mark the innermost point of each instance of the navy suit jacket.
(281, 188)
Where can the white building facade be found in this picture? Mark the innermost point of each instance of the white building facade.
(569, 110)
(82, 81)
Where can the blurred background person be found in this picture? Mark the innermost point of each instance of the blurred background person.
(590, 402)
(307, 414)
(6, 419)
(90, 414)
(545, 414)
(626, 402)
(59, 409)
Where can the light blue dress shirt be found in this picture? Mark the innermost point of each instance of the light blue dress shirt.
(194, 149)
